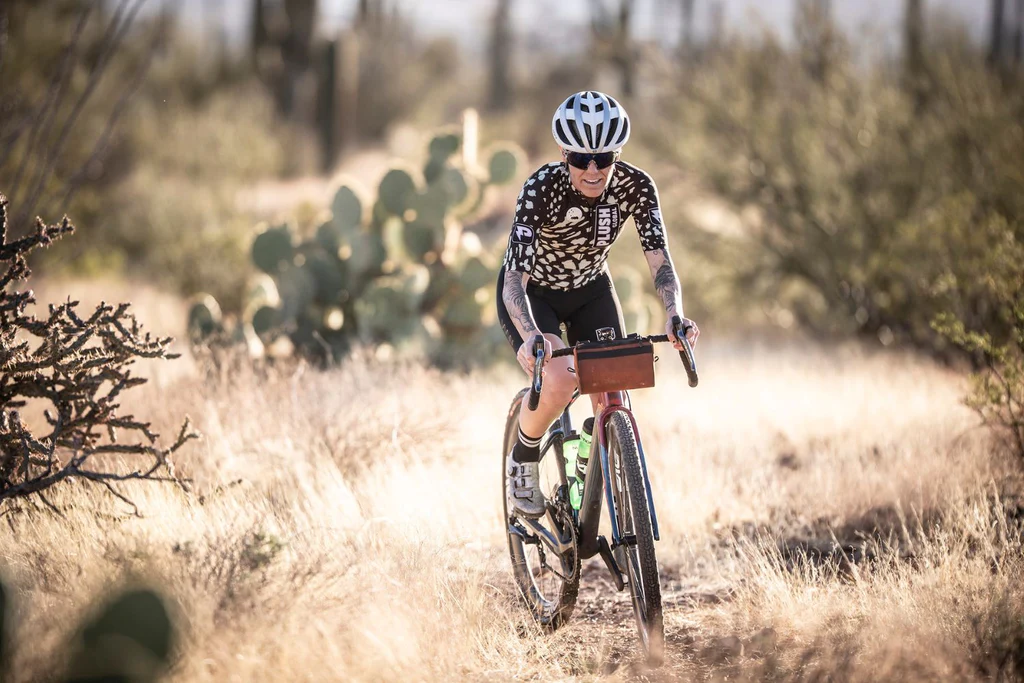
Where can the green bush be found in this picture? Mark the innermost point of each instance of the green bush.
(997, 392)
(869, 206)
(158, 151)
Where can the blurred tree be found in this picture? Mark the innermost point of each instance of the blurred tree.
(500, 54)
(374, 73)
(3, 31)
(862, 211)
(686, 29)
(1019, 38)
(282, 47)
(258, 34)
(913, 50)
(611, 30)
(995, 52)
(816, 36)
(54, 142)
(717, 33)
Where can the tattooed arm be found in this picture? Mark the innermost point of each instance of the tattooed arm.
(665, 281)
(518, 305)
(669, 291)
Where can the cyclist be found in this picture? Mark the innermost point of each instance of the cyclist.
(567, 217)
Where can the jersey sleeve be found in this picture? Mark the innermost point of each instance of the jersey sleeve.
(647, 214)
(530, 213)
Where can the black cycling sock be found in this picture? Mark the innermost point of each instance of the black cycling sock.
(527, 448)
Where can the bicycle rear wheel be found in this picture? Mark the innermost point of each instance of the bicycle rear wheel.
(636, 556)
(547, 581)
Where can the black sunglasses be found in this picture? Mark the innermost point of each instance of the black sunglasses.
(582, 160)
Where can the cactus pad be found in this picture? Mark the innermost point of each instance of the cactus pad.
(346, 209)
(396, 189)
(298, 289)
(272, 248)
(418, 240)
(504, 164)
(477, 273)
(369, 254)
(443, 146)
(265, 319)
(204, 317)
(330, 275)
(456, 185)
(130, 640)
(431, 206)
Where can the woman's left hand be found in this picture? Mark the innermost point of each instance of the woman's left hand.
(691, 333)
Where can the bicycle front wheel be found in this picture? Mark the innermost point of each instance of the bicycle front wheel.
(548, 581)
(636, 555)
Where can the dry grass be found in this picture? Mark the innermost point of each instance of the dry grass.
(823, 513)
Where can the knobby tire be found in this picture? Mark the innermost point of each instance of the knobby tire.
(639, 562)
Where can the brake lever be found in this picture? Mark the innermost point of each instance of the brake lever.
(538, 368)
(686, 355)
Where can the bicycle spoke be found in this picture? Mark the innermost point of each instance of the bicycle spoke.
(545, 559)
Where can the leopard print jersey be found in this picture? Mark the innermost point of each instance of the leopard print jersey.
(562, 240)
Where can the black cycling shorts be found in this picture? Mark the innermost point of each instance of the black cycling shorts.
(585, 311)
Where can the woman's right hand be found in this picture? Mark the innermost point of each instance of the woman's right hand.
(525, 354)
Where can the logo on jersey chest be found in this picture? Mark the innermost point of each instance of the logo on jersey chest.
(606, 224)
(574, 214)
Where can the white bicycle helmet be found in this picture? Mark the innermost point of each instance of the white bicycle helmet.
(590, 122)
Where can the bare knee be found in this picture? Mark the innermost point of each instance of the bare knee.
(559, 383)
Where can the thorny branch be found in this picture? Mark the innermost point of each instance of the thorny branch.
(80, 366)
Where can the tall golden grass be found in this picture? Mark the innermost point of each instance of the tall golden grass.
(824, 511)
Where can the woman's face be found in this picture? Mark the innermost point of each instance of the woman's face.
(591, 181)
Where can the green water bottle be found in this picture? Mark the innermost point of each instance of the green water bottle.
(582, 458)
(570, 448)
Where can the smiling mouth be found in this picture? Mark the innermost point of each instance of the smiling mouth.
(593, 183)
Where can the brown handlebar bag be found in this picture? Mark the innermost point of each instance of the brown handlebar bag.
(614, 365)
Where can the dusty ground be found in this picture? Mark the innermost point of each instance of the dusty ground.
(823, 511)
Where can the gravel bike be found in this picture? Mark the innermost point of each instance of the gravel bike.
(546, 553)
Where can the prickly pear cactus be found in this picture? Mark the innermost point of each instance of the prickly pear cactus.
(204, 317)
(132, 639)
(265, 320)
(397, 188)
(346, 209)
(504, 164)
(273, 248)
(394, 268)
(389, 309)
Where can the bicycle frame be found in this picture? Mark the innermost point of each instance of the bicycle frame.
(573, 534)
(598, 479)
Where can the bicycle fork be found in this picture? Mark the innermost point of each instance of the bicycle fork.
(617, 538)
(598, 482)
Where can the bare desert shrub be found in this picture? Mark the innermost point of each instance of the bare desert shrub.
(78, 368)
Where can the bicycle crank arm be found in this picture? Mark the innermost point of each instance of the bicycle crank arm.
(609, 561)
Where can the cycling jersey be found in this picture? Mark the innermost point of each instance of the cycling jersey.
(562, 240)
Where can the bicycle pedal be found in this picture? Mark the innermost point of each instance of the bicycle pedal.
(609, 561)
